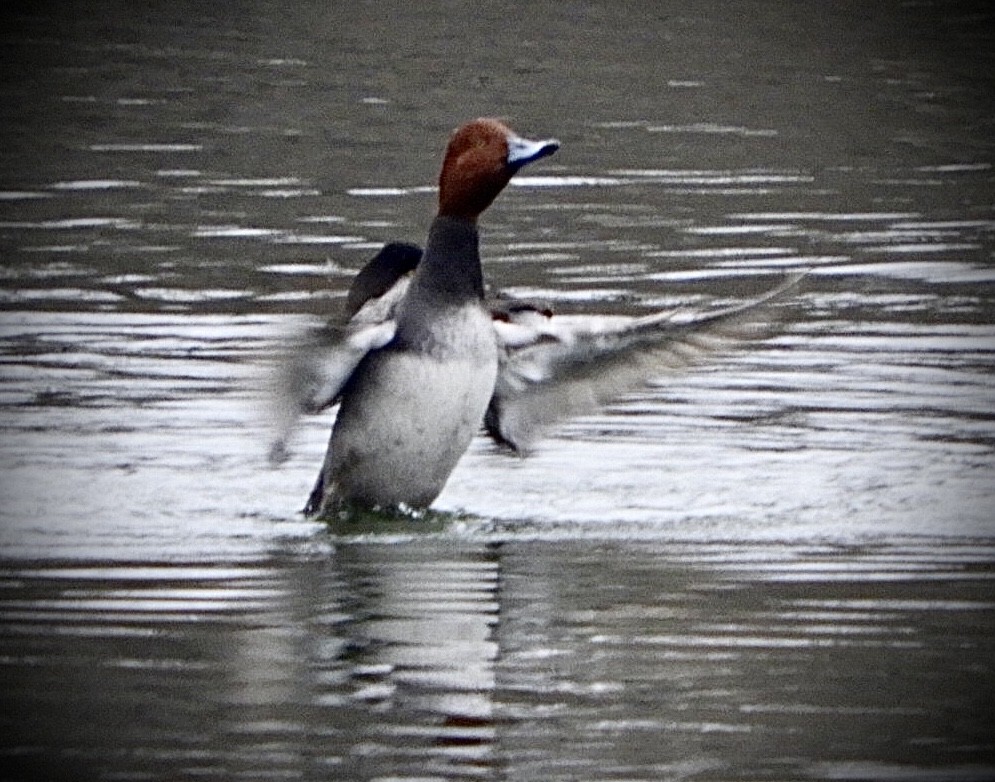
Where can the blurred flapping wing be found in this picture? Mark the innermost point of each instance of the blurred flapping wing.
(559, 366)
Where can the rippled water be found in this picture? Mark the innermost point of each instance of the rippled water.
(465, 659)
(776, 567)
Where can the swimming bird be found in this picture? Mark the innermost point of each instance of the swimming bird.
(420, 360)
(422, 380)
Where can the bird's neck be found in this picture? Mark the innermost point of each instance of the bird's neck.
(450, 269)
(437, 314)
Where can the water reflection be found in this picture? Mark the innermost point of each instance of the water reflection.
(520, 660)
(724, 670)
(776, 568)
(422, 655)
(349, 666)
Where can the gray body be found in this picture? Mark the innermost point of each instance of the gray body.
(411, 408)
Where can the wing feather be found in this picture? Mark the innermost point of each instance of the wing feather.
(310, 376)
(574, 365)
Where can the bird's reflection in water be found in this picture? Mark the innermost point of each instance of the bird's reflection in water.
(380, 659)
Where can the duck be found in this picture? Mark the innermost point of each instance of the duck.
(422, 358)
(419, 383)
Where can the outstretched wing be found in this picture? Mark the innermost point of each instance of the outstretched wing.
(560, 366)
(310, 377)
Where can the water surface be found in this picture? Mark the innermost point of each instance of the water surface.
(776, 567)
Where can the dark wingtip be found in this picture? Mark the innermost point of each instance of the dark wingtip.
(393, 261)
(315, 498)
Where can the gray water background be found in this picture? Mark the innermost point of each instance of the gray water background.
(776, 567)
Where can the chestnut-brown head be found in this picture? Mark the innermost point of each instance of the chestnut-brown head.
(481, 158)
